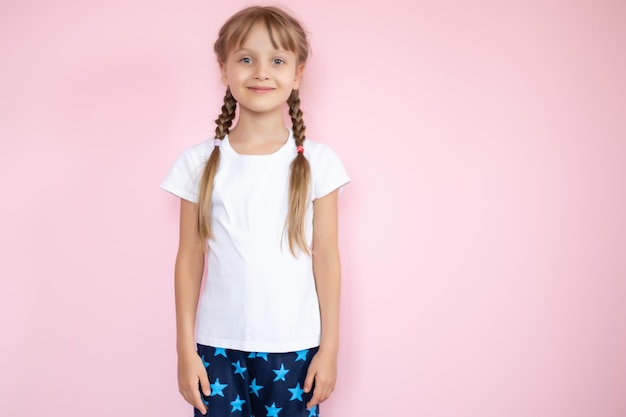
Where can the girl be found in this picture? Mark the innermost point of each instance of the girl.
(262, 202)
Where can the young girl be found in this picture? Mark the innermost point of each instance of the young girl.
(262, 202)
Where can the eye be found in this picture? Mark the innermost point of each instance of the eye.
(246, 60)
(278, 61)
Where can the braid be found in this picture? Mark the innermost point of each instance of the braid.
(296, 117)
(223, 122)
(225, 119)
(299, 180)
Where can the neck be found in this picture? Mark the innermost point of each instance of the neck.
(256, 127)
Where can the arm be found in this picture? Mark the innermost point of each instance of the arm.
(187, 281)
(327, 272)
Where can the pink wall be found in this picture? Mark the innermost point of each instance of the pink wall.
(483, 236)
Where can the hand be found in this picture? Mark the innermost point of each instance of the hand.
(191, 370)
(322, 370)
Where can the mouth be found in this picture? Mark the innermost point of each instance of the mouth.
(260, 90)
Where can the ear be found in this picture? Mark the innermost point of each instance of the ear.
(224, 76)
(298, 77)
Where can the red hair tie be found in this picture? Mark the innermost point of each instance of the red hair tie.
(300, 149)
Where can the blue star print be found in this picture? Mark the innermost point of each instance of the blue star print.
(206, 364)
(280, 373)
(220, 351)
(313, 411)
(236, 404)
(239, 369)
(253, 355)
(255, 388)
(296, 393)
(273, 410)
(217, 388)
(302, 355)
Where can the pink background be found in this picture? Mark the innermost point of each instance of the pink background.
(483, 237)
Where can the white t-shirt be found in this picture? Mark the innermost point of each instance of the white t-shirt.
(257, 296)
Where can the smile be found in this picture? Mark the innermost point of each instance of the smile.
(260, 90)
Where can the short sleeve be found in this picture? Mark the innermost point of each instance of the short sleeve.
(183, 179)
(329, 173)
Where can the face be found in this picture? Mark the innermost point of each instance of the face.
(260, 76)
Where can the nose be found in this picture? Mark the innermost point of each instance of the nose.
(261, 72)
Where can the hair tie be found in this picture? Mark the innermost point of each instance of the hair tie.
(217, 142)
(300, 149)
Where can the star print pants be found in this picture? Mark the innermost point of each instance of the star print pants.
(256, 384)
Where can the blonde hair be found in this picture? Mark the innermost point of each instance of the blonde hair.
(285, 32)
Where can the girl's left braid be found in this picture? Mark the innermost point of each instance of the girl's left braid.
(299, 179)
(296, 117)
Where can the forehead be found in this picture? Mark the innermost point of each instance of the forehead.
(258, 40)
(259, 32)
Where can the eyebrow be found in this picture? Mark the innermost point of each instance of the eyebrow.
(279, 51)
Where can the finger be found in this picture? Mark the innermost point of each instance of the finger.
(320, 394)
(197, 402)
(204, 383)
(191, 394)
(316, 399)
(308, 381)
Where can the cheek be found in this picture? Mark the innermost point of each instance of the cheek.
(288, 78)
(233, 79)
(235, 93)
(234, 72)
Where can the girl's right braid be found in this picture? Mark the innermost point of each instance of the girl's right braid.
(223, 122)
(225, 119)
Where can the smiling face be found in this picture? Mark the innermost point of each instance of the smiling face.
(260, 74)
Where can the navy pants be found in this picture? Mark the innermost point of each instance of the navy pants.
(256, 384)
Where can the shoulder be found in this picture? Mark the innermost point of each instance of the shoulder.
(199, 152)
(328, 172)
(183, 177)
(195, 156)
(318, 152)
